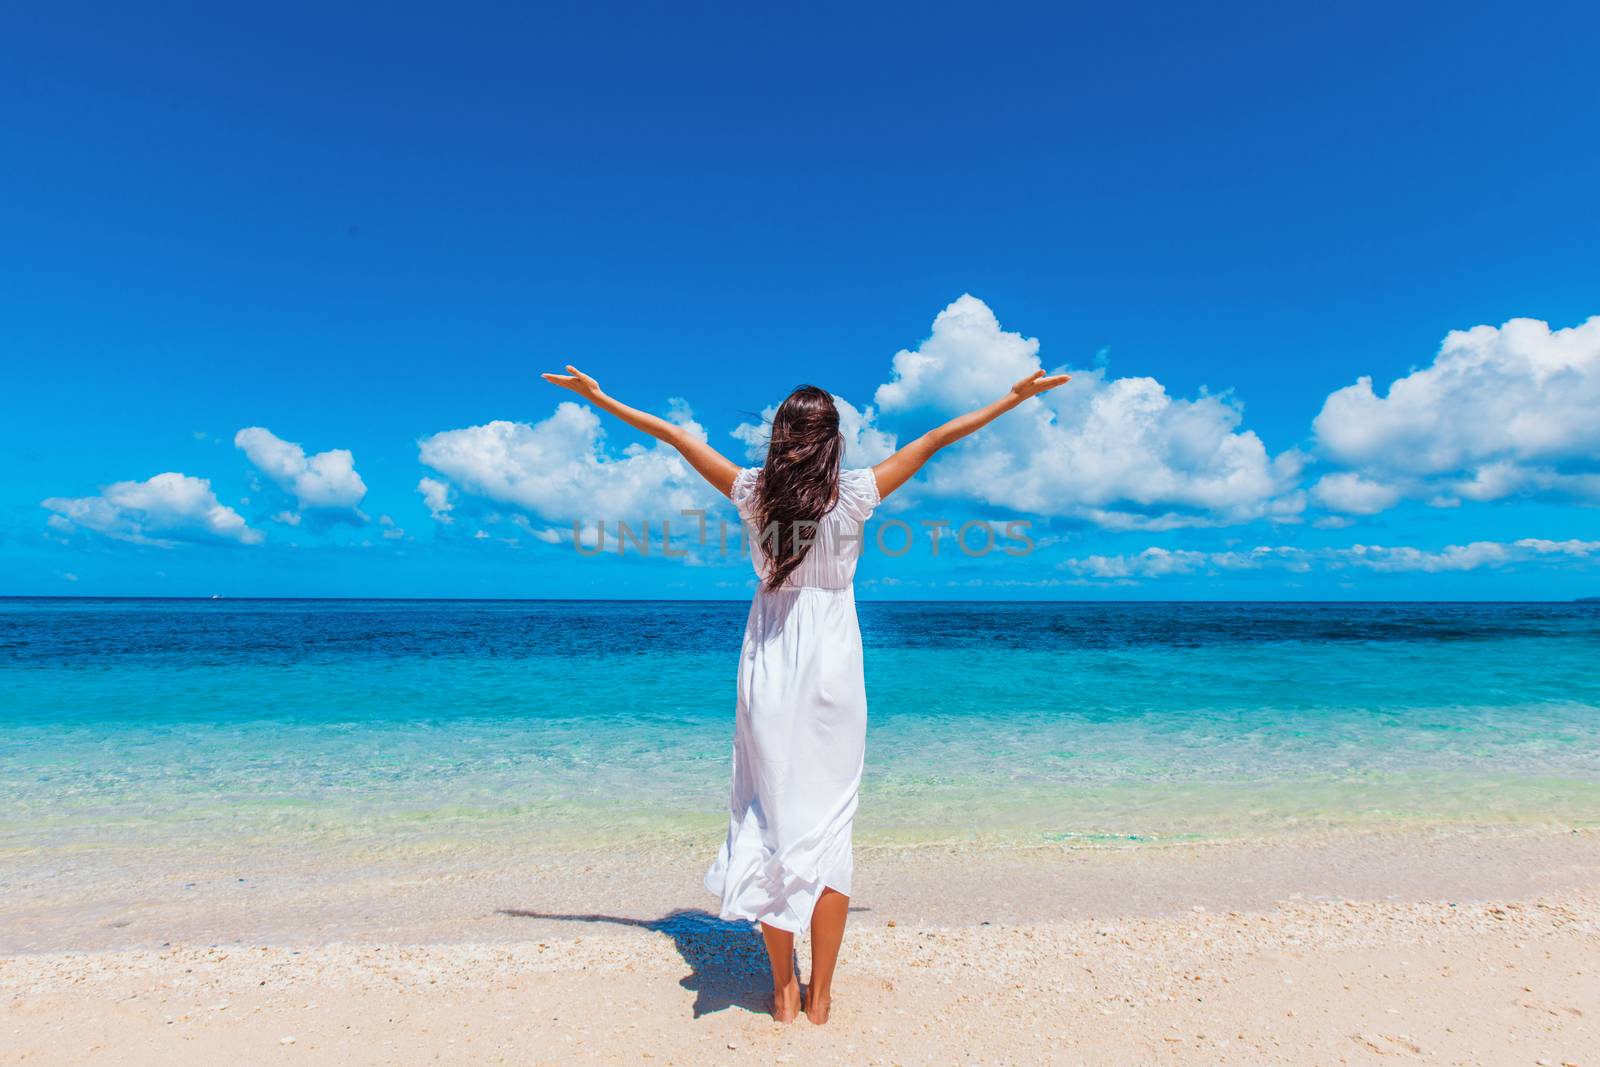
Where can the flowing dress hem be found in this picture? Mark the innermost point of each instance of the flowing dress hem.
(732, 912)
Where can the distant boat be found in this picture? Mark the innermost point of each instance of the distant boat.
(216, 596)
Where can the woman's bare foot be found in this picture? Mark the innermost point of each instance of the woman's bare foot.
(786, 1002)
(817, 1005)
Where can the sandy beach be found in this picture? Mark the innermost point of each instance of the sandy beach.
(1461, 947)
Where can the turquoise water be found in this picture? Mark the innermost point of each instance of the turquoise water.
(583, 724)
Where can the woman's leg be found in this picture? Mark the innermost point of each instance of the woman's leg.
(827, 933)
(785, 986)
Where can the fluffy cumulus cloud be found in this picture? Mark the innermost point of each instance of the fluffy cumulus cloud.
(560, 469)
(1352, 494)
(1120, 452)
(160, 511)
(964, 362)
(324, 481)
(1158, 562)
(865, 443)
(436, 495)
(1500, 411)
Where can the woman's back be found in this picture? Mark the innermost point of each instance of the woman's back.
(831, 562)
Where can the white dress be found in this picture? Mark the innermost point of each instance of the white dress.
(801, 725)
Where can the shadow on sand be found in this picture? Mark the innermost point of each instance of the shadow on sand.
(727, 960)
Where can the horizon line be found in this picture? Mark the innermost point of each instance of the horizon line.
(201, 598)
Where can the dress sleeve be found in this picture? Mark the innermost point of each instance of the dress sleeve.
(858, 493)
(743, 493)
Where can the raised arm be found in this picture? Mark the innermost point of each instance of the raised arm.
(712, 465)
(897, 470)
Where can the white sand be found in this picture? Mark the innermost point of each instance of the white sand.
(1456, 949)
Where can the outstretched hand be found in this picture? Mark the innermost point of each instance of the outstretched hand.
(690, 443)
(1034, 384)
(575, 380)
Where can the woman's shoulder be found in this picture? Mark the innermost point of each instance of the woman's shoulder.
(859, 487)
(859, 478)
(744, 486)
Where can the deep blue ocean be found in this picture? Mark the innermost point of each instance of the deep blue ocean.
(609, 723)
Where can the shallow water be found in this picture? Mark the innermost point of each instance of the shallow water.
(600, 724)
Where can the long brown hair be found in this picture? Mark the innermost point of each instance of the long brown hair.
(800, 481)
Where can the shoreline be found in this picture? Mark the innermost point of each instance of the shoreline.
(1428, 947)
(147, 896)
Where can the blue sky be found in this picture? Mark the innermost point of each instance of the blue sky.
(366, 231)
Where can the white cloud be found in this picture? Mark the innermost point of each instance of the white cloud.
(966, 361)
(436, 495)
(1500, 411)
(1354, 495)
(288, 518)
(587, 535)
(324, 480)
(865, 443)
(1564, 548)
(560, 469)
(158, 511)
(1156, 562)
(1151, 563)
(754, 434)
(1120, 452)
(1450, 558)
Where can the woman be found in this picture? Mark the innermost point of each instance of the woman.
(801, 724)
